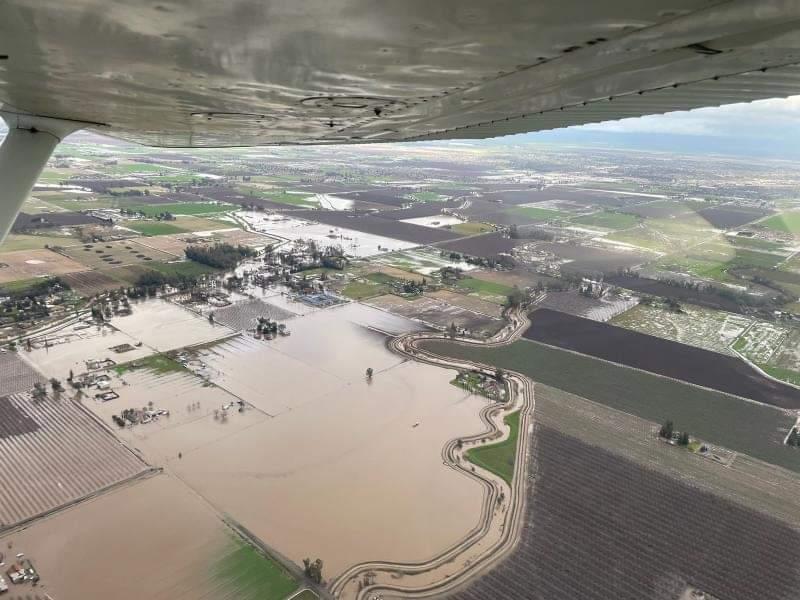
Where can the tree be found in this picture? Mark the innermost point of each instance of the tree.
(313, 570)
(500, 375)
(666, 430)
(56, 385)
(452, 331)
(71, 375)
(39, 391)
(515, 298)
(683, 440)
(369, 373)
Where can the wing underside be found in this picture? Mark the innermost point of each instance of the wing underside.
(253, 72)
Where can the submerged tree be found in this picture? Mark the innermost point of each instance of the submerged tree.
(666, 431)
(451, 331)
(313, 570)
(39, 391)
(369, 373)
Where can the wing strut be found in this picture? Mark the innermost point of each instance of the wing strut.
(25, 151)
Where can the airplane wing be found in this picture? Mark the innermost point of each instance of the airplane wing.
(250, 72)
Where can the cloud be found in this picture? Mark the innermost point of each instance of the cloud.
(763, 118)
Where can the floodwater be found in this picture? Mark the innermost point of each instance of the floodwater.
(157, 324)
(345, 469)
(165, 326)
(69, 349)
(353, 243)
(150, 539)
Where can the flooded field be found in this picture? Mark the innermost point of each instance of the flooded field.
(151, 539)
(439, 312)
(165, 326)
(354, 243)
(338, 456)
(72, 347)
(53, 453)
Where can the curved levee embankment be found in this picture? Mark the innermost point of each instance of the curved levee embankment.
(502, 508)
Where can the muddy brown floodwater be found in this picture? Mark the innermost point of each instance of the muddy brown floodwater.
(326, 463)
(151, 539)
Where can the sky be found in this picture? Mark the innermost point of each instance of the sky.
(764, 129)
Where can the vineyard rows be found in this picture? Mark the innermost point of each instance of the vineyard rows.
(600, 526)
(55, 455)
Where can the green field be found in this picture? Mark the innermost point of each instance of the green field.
(608, 220)
(251, 575)
(186, 268)
(182, 208)
(786, 375)
(153, 227)
(301, 200)
(16, 242)
(539, 214)
(426, 196)
(488, 289)
(747, 427)
(788, 222)
(470, 228)
(382, 278)
(716, 260)
(499, 458)
(158, 363)
(358, 290)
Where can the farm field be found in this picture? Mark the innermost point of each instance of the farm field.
(660, 209)
(716, 260)
(486, 290)
(152, 227)
(104, 255)
(28, 264)
(244, 315)
(88, 459)
(439, 313)
(206, 558)
(667, 235)
(750, 482)
(89, 283)
(760, 341)
(499, 458)
(16, 375)
(584, 512)
(575, 303)
(538, 214)
(183, 208)
(593, 259)
(787, 356)
(422, 261)
(653, 287)
(788, 222)
(660, 356)
(375, 225)
(163, 326)
(728, 217)
(754, 429)
(484, 245)
(469, 302)
(607, 220)
(696, 326)
(471, 228)
(15, 242)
